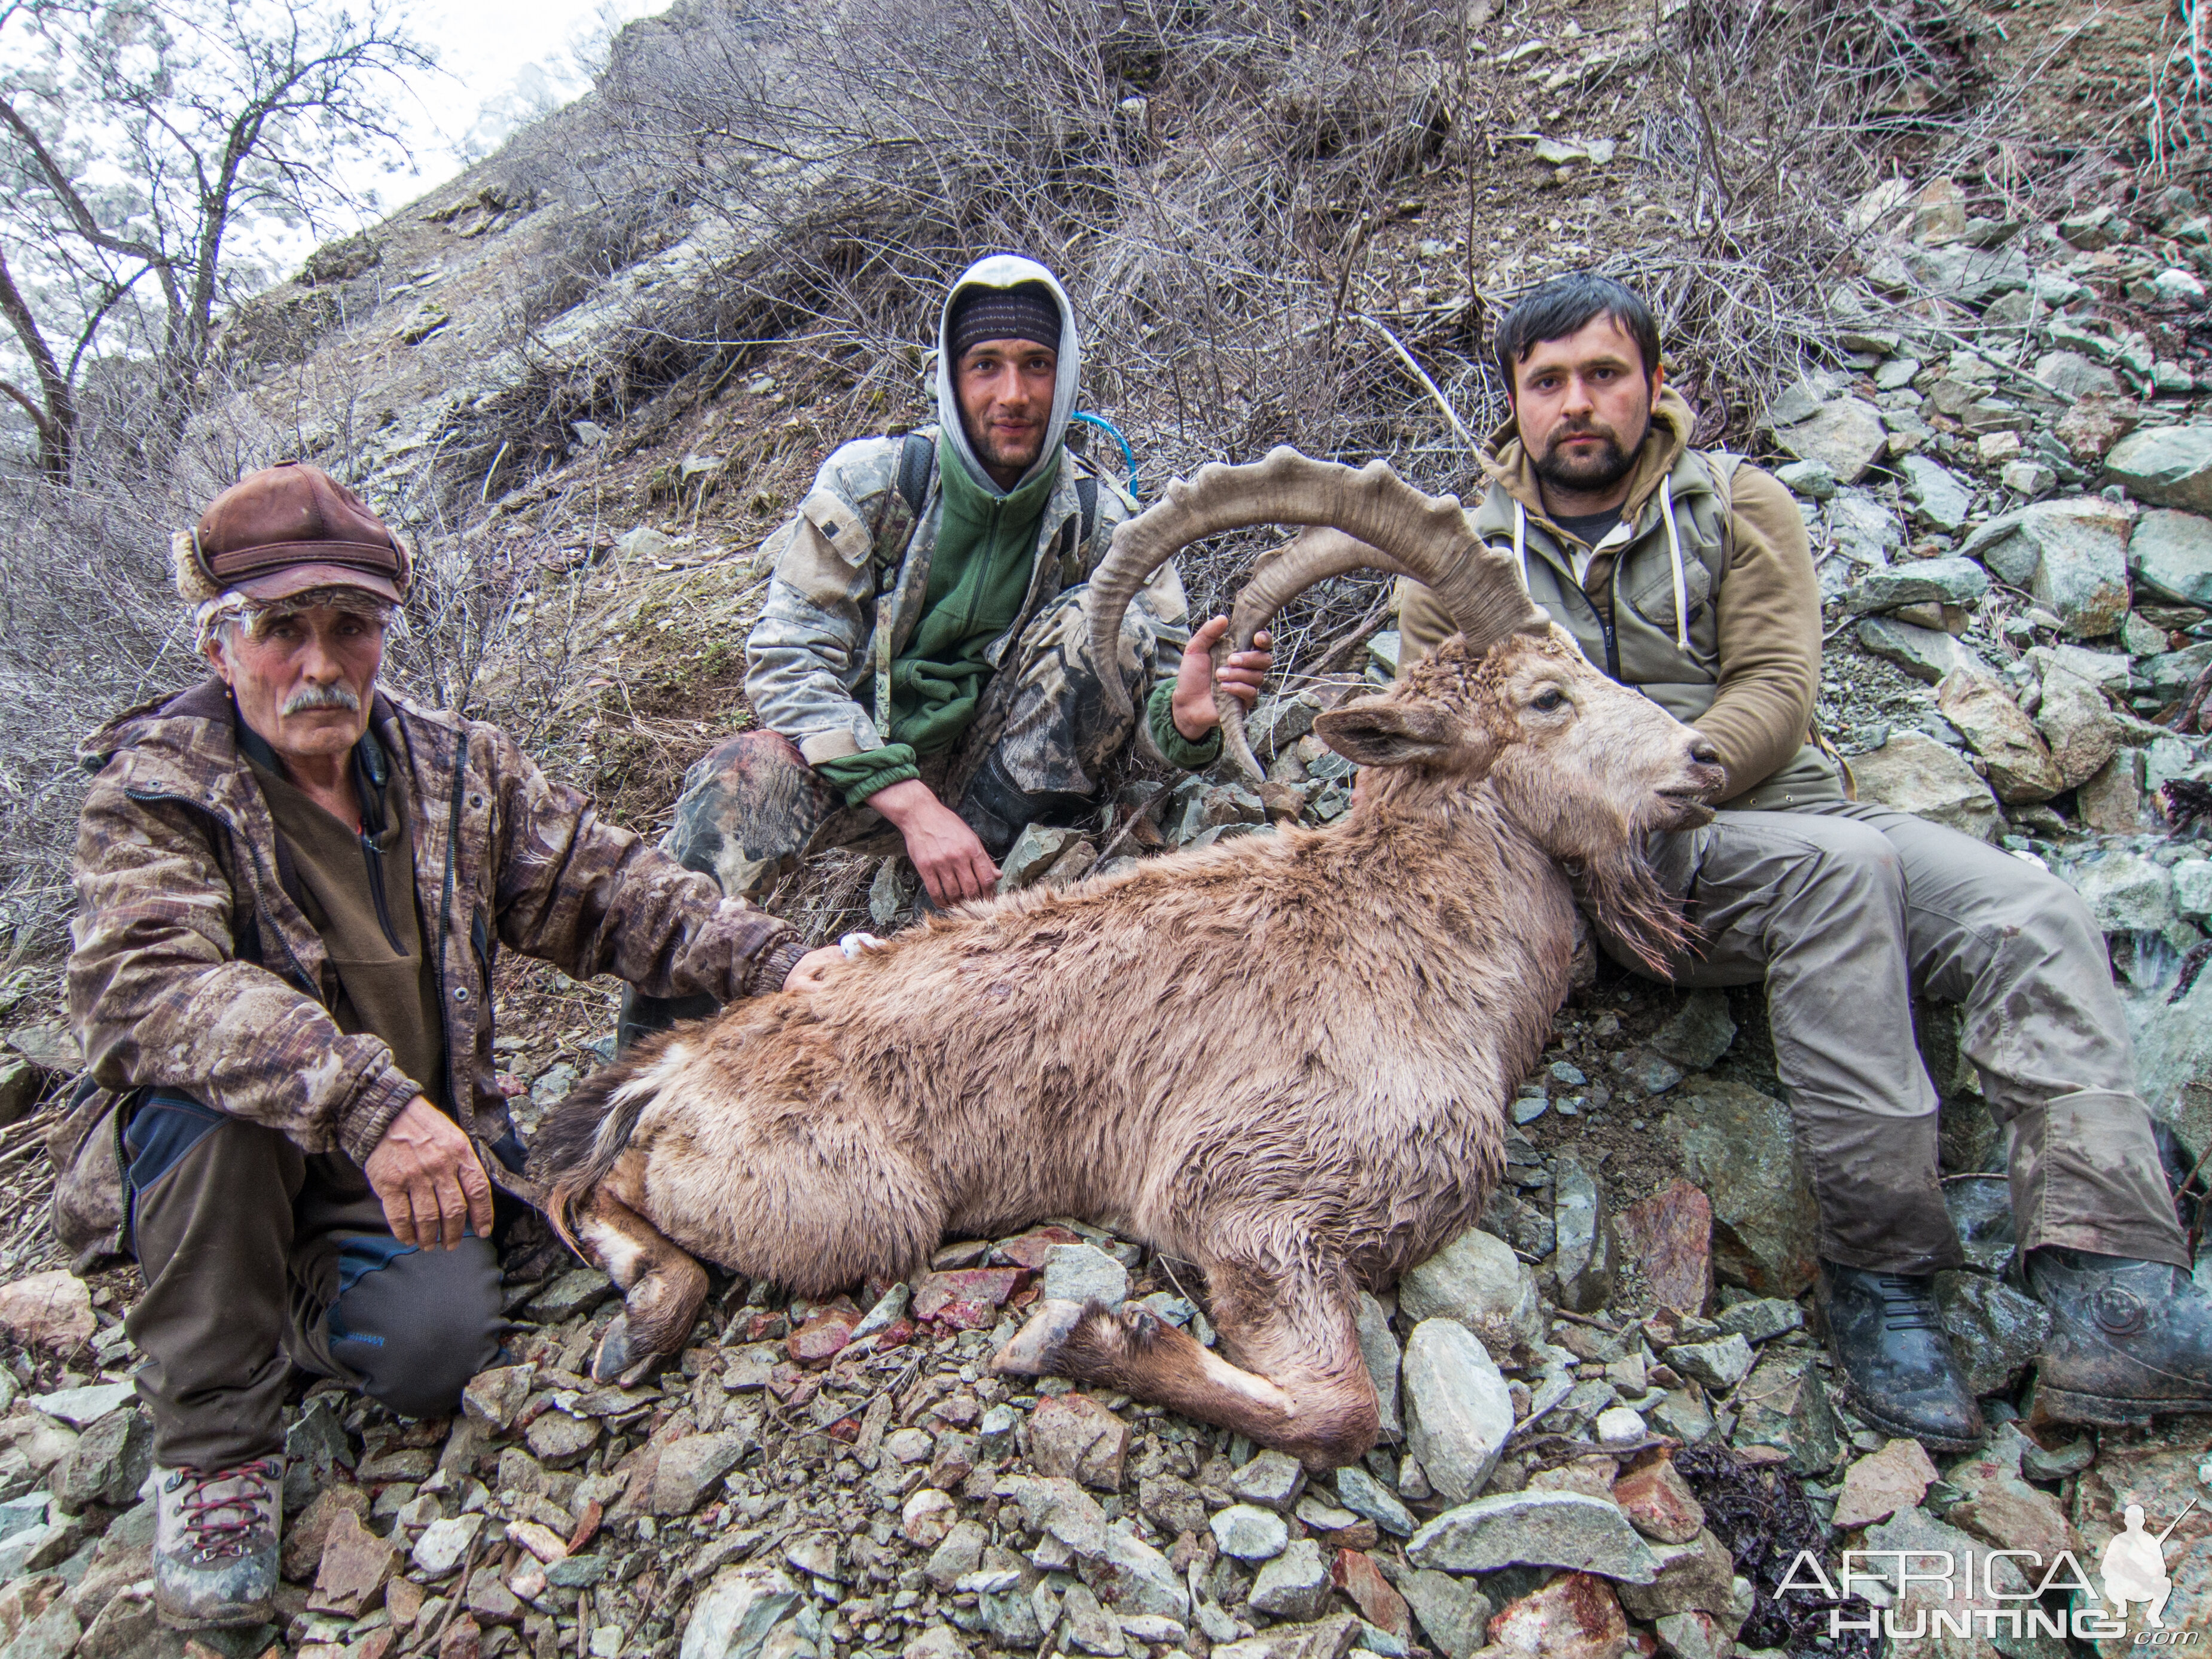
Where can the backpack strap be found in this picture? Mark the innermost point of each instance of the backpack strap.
(1723, 464)
(916, 459)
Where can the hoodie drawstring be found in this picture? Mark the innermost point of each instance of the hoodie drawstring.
(1674, 555)
(1521, 540)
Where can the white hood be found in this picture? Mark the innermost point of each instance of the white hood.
(1007, 271)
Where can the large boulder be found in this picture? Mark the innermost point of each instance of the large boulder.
(2170, 555)
(1741, 1148)
(1914, 774)
(2164, 466)
(1847, 434)
(2078, 725)
(2072, 555)
(2020, 769)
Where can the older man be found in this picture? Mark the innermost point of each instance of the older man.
(292, 887)
(922, 671)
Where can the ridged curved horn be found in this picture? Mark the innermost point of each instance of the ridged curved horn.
(1428, 538)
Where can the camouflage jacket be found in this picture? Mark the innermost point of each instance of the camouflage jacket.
(852, 570)
(193, 969)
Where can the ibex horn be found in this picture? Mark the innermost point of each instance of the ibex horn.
(1382, 523)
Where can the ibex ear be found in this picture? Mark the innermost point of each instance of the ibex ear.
(1385, 733)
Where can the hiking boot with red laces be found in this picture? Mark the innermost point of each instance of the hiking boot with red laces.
(215, 1544)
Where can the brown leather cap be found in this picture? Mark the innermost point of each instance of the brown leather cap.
(292, 526)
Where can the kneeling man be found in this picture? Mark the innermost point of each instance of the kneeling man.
(291, 889)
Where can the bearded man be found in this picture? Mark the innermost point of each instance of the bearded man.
(1686, 574)
(291, 888)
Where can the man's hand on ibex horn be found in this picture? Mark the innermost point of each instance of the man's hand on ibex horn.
(425, 1174)
(1241, 677)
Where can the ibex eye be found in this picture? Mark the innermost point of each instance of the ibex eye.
(1549, 700)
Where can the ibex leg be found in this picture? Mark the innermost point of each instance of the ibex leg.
(1307, 1391)
(662, 1287)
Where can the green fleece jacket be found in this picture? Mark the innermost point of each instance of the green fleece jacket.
(977, 581)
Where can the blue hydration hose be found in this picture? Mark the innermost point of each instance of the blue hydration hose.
(1128, 455)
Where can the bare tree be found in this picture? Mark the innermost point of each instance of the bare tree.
(136, 138)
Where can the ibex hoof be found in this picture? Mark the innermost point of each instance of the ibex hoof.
(613, 1356)
(1035, 1349)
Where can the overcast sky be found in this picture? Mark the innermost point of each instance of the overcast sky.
(499, 62)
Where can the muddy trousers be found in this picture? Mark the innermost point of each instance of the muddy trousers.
(258, 1257)
(1845, 910)
(1043, 737)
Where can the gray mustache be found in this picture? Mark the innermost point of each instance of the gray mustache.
(309, 697)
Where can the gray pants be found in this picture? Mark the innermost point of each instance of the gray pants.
(1846, 910)
(258, 1257)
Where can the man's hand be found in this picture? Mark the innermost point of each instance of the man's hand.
(425, 1174)
(807, 972)
(950, 861)
(1241, 677)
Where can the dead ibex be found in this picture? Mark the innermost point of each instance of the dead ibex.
(1283, 1058)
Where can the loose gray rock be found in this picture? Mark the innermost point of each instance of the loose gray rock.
(691, 1469)
(1995, 1330)
(1459, 1412)
(1295, 1585)
(1924, 581)
(1697, 1034)
(1453, 1613)
(1847, 434)
(1083, 1273)
(1740, 1146)
(1378, 1347)
(1272, 1480)
(1926, 654)
(2170, 555)
(2079, 727)
(2164, 466)
(108, 1464)
(1696, 1577)
(1535, 1529)
(1135, 1579)
(1761, 1319)
(1814, 480)
(1250, 1533)
(733, 1617)
(2126, 892)
(1998, 730)
(1721, 1365)
(1479, 1281)
(2071, 372)
(1782, 1404)
(1914, 774)
(1326, 1639)
(1363, 1494)
(1942, 499)
(2071, 555)
(1583, 1262)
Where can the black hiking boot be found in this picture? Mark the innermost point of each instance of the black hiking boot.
(2130, 1341)
(1899, 1371)
(998, 809)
